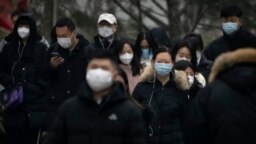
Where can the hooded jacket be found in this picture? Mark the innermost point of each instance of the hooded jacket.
(81, 120)
(165, 107)
(22, 63)
(226, 43)
(65, 80)
(225, 111)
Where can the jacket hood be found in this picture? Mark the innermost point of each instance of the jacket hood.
(236, 68)
(32, 26)
(82, 40)
(116, 94)
(180, 77)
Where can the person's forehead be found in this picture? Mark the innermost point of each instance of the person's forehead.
(97, 61)
(163, 56)
(62, 30)
(183, 50)
(231, 17)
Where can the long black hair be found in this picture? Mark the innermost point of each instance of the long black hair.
(135, 63)
(141, 36)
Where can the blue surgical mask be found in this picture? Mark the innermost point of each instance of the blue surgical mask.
(163, 69)
(145, 53)
(230, 27)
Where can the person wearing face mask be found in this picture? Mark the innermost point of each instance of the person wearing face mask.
(106, 38)
(64, 66)
(100, 112)
(145, 53)
(203, 64)
(14, 16)
(163, 99)
(129, 62)
(234, 35)
(183, 50)
(21, 62)
(195, 79)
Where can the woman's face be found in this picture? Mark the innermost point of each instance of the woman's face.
(184, 54)
(189, 71)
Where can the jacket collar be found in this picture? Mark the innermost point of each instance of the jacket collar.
(116, 94)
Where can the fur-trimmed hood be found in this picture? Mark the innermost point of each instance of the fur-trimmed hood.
(228, 60)
(237, 69)
(180, 78)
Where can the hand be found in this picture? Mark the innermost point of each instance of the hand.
(56, 61)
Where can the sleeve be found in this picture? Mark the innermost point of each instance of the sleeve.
(5, 78)
(208, 52)
(137, 93)
(197, 119)
(135, 129)
(48, 73)
(57, 131)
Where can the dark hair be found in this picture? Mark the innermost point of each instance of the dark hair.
(183, 65)
(157, 38)
(122, 73)
(66, 22)
(18, 12)
(195, 39)
(103, 55)
(231, 10)
(135, 63)
(188, 44)
(161, 50)
(141, 36)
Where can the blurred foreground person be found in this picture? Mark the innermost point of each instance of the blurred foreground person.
(101, 112)
(225, 111)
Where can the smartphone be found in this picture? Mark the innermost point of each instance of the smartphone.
(55, 54)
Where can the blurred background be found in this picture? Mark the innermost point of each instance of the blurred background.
(177, 17)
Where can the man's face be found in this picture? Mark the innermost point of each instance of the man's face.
(104, 64)
(64, 32)
(233, 19)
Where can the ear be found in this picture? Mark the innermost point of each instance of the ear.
(115, 28)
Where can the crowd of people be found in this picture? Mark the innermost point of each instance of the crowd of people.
(117, 91)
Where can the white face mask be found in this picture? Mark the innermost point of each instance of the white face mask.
(126, 58)
(105, 31)
(23, 32)
(99, 79)
(198, 56)
(64, 42)
(190, 80)
(178, 58)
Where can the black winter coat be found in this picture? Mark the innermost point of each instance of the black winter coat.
(65, 80)
(164, 114)
(26, 62)
(225, 111)
(226, 43)
(82, 121)
(100, 44)
(204, 67)
(28, 71)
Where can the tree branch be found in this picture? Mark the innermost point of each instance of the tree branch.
(159, 6)
(132, 16)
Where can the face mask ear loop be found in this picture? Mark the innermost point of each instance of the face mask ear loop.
(152, 93)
